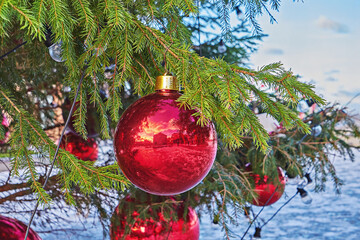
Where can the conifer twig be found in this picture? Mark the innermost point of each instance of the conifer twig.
(56, 152)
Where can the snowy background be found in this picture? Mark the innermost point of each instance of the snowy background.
(330, 216)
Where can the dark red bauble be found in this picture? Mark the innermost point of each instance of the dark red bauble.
(268, 190)
(12, 229)
(160, 148)
(154, 228)
(86, 150)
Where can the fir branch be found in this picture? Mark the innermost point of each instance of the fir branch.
(80, 113)
(27, 20)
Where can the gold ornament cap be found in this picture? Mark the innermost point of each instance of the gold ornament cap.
(166, 82)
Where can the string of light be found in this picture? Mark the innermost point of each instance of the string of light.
(12, 50)
(257, 215)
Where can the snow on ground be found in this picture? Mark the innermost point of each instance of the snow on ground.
(330, 216)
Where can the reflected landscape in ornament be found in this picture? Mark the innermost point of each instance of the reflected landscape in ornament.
(156, 227)
(160, 148)
(268, 190)
(12, 229)
(86, 150)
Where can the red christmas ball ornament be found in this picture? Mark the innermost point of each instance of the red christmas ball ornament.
(12, 229)
(159, 147)
(86, 150)
(156, 227)
(268, 190)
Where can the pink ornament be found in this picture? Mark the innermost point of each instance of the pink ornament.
(5, 122)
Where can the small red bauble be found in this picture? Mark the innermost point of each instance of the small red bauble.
(12, 229)
(154, 228)
(86, 150)
(160, 148)
(268, 190)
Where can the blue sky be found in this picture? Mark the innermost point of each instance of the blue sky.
(320, 41)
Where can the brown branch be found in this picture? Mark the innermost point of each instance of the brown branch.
(243, 72)
(12, 197)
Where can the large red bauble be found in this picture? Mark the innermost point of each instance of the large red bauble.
(160, 148)
(86, 150)
(268, 190)
(154, 228)
(12, 229)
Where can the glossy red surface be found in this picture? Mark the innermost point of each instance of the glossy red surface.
(12, 229)
(154, 228)
(160, 148)
(268, 191)
(86, 150)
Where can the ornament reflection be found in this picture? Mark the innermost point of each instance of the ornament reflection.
(55, 52)
(128, 224)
